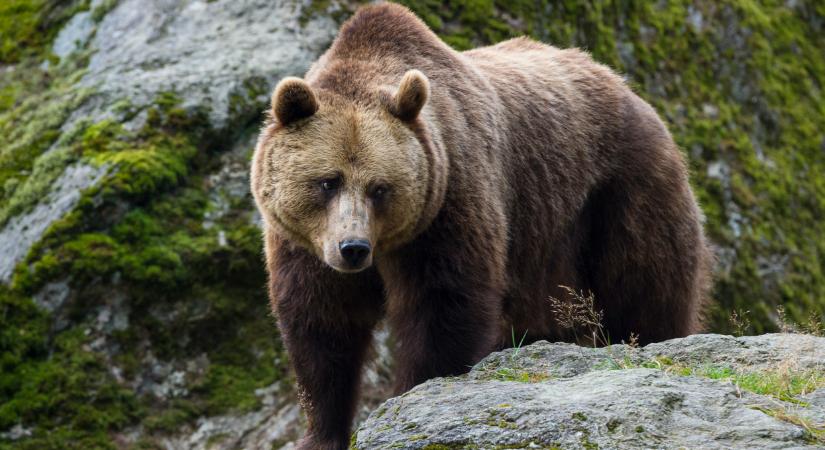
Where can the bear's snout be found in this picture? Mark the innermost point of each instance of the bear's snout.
(355, 252)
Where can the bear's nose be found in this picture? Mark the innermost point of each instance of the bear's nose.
(354, 251)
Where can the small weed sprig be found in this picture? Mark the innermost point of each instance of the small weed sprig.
(813, 326)
(740, 322)
(579, 315)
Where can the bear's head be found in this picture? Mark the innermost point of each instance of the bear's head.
(347, 180)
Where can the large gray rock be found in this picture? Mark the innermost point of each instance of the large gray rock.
(204, 51)
(215, 55)
(564, 396)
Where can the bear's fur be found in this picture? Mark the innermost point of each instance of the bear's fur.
(482, 181)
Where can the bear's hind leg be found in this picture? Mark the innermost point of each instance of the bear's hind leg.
(647, 260)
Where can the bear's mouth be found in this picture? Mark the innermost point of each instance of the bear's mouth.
(349, 269)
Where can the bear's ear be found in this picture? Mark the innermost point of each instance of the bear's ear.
(293, 100)
(411, 96)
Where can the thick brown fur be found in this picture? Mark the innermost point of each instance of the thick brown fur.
(529, 167)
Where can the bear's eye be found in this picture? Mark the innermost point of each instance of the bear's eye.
(330, 184)
(379, 192)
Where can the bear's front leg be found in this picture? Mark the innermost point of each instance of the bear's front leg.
(326, 321)
(444, 310)
(327, 364)
(444, 335)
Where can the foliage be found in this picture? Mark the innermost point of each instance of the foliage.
(28, 26)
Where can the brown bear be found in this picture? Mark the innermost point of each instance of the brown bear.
(453, 193)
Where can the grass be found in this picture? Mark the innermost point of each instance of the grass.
(512, 371)
(783, 382)
(579, 315)
(815, 432)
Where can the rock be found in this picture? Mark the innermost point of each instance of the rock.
(230, 183)
(276, 424)
(53, 295)
(747, 352)
(16, 432)
(695, 18)
(204, 51)
(209, 53)
(22, 231)
(613, 397)
(74, 35)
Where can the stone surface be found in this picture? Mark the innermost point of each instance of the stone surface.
(603, 398)
(74, 35)
(22, 231)
(204, 51)
(275, 425)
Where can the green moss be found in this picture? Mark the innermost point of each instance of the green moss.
(516, 375)
(318, 8)
(501, 423)
(471, 446)
(27, 27)
(380, 412)
(159, 251)
(31, 126)
(102, 9)
(230, 387)
(173, 416)
(69, 395)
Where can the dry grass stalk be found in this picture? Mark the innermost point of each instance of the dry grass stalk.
(579, 315)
